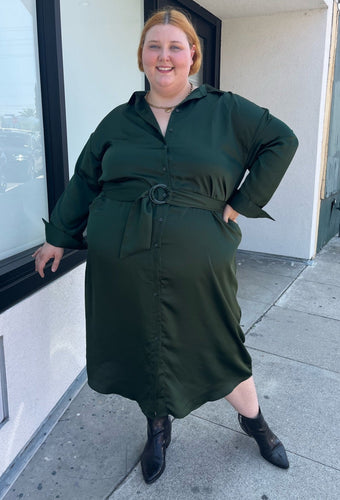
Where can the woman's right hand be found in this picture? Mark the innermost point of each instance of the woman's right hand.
(44, 254)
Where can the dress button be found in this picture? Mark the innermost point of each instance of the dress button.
(177, 110)
(155, 294)
(171, 129)
(156, 245)
(164, 169)
(160, 219)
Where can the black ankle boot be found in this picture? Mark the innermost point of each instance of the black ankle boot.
(270, 446)
(153, 457)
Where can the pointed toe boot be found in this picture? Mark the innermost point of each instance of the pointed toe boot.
(153, 456)
(270, 446)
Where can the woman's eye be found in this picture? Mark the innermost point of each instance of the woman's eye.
(156, 47)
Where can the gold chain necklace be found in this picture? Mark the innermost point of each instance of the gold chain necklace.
(167, 109)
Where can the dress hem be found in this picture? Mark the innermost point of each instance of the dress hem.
(209, 396)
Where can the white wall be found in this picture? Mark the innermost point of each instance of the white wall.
(44, 335)
(44, 352)
(278, 62)
(247, 8)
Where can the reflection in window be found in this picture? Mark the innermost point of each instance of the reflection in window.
(23, 193)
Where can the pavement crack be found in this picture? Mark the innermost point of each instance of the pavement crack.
(287, 449)
(304, 312)
(313, 460)
(259, 319)
(293, 359)
(123, 480)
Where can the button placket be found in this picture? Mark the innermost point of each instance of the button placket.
(158, 224)
(165, 155)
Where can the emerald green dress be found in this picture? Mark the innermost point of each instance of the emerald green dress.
(163, 322)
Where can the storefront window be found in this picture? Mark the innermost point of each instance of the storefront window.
(23, 190)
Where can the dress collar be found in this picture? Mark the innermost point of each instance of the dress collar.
(203, 90)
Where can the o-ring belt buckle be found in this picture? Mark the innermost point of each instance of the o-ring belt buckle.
(165, 194)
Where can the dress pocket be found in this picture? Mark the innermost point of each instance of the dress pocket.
(231, 225)
(232, 222)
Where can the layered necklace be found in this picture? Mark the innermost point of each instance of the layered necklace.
(167, 109)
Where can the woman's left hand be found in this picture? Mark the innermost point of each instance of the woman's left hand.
(230, 213)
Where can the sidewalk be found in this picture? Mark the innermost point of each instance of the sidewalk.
(291, 313)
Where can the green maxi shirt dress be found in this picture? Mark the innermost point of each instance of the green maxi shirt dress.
(162, 319)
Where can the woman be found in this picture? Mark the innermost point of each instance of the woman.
(158, 186)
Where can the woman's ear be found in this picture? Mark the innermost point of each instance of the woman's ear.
(193, 50)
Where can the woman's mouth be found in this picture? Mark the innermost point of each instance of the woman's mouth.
(164, 69)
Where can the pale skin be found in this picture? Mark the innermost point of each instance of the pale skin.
(46, 253)
(167, 57)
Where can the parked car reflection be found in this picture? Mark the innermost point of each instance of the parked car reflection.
(20, 155)
(3, 162)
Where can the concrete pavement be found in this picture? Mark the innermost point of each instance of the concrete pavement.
(291, 314)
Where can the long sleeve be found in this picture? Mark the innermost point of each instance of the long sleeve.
(69, 217)
(271, 151)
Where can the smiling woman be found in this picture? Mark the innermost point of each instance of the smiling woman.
(158, 187)
(169, 51)
(177, 20)
(167, 58)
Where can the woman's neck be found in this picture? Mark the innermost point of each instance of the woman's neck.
(164, 97)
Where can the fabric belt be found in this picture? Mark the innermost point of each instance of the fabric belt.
(138, 230)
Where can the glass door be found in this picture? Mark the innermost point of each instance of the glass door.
(329, 217)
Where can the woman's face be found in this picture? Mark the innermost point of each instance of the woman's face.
(167, 57)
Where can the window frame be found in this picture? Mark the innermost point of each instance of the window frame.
(4, 414)
(18, 278)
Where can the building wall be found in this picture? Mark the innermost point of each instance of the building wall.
(44, 334)
(44, 352)
(278, 61)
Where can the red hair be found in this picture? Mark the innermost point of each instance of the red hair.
(181, 21)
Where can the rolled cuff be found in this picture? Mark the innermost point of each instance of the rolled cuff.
(246, 207)
(59, 238)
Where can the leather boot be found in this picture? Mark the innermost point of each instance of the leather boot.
(270, 446)
(153, 456)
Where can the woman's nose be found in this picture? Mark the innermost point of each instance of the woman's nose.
(164, 54)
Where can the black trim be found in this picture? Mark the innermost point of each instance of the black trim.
(22, 281)
(53, 97)
(18, 278)
(207, 26)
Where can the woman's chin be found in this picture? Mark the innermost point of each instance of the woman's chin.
(165, 80)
